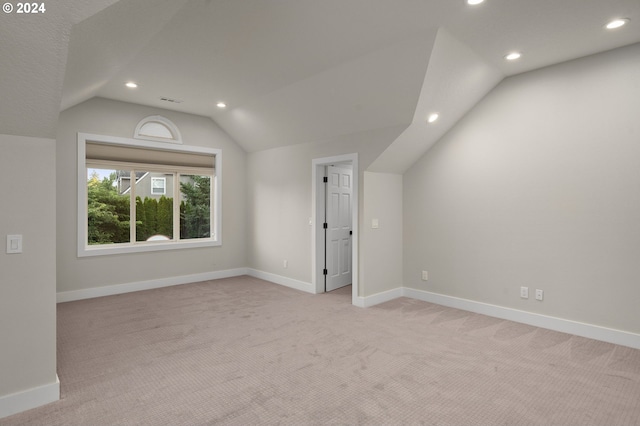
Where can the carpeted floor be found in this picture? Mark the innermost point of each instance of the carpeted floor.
(243, 351)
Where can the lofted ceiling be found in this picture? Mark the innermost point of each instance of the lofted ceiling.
(293, 71)
(33, 56)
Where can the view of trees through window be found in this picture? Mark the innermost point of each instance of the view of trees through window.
(195, 194)
(109, 198)
(108, 211)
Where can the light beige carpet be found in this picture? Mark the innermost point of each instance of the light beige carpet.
(243, 351)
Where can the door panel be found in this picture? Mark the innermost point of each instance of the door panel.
(345, 211)
(338, 236)
(334, 216)
(335, 259)
(346, 254)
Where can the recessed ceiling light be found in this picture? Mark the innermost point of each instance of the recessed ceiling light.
(131, 85)
(513, 56)
(221, 105)
(433, 117)
(474, 2)
(617, 23)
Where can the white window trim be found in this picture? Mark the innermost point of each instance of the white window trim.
(85, 250)
(164, 185)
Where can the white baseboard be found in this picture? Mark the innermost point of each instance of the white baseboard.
(590, 331)
(68, 296)
(376, 299)
(31, 398)
(279, 279)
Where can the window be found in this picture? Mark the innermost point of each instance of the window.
(157, 128)
(158, 185)
(144, 196)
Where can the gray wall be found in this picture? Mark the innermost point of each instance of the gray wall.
(381, 248)
(538, 186)
(279, 199)
(113, 118)
(27, 280)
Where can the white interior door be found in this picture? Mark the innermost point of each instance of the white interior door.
(338, 234)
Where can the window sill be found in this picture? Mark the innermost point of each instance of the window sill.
(104, 250)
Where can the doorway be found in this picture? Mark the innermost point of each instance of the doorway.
(339, 251)
(337, 226)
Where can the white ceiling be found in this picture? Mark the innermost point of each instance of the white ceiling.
(292, 71)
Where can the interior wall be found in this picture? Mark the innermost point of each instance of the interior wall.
(113, 118)
(538, 186)
(381, 248)
(27, 279)
(279, 199)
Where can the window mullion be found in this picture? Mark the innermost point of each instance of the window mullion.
(212, 208)
(132, 207)
(176, 206)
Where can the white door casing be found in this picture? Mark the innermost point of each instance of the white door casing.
(338, 234)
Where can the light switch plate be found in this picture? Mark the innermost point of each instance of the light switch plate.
(375, 224)
(14, 244)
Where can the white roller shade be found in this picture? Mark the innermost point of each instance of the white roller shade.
(129, 154)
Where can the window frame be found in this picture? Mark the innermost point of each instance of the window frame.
(164, 185)
(84, 249)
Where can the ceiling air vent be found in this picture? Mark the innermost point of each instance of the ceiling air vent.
(173, 101)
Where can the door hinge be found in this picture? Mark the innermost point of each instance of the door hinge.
(350, 232)
(324, 272)
(325, 226)
(325, 179)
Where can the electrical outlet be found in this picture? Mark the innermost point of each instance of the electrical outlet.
(285, 263)
(425, 275)
(524, 292)
(539, 294)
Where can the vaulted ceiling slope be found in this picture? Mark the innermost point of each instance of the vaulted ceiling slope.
(292, 71)
(103, 44)
(33, 55)
(456, 79)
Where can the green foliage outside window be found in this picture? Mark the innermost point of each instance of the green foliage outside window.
(108, 212)
(109, 217)
(195, 214)
(154, 217)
